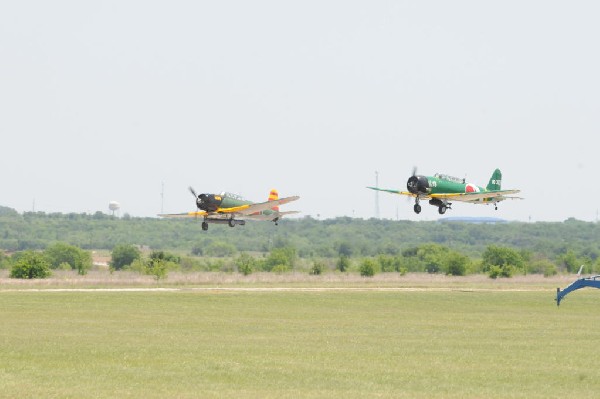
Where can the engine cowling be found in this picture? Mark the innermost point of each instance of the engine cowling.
(209, 202)
(417, 185)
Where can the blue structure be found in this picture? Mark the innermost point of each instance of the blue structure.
(593, 281)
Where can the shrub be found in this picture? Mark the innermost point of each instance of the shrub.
(317, 268)
(501, 271)
(502, 256)
(157, 267)
(65, 266)
(343, 264)
(245, 264)
(367, 268)
(31, 265)
(60, 254)
(123, 255)
(280, 256)
(456, 264)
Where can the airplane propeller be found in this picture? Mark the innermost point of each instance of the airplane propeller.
(198, 200)
(417, 184)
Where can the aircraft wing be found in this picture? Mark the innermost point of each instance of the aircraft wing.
(263, 206)
(393, 191)
(183, 215)
(270, 217)
(476, 196)
(243, 210)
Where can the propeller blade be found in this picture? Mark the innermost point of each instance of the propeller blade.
(193, 192)
(414, 171)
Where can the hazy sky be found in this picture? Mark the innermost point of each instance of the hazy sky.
(108, 100)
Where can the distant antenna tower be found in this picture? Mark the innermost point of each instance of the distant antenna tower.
(376, 195)
(114, 206)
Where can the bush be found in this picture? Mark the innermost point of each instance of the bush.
(550, 270)
(456, 264)
(31, 265)
(285, 256)
(542, 266)
(317, 268)
(502, 256)
(60, 253)
(343, 264)
(65, 266)
(501, 271)
(123, 255)
(245, 264)
(157, 267)
(367, 268)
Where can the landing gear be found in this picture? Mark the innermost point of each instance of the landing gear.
(204, 226)
(442, 205)
(417, 208)
(232, 222)
(495, 207)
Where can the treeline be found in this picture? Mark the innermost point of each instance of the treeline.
(564, 244)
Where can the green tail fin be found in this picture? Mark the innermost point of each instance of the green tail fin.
(495, 181)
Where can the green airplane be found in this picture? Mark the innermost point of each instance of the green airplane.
(231, 209)
(440, 188)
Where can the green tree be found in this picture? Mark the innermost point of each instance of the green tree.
(31, 265)
(123, 255)
(344, 249)
(75, 257)
(501, 256)
(570, 261)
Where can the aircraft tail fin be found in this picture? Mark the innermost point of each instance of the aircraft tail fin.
(274, 196)
(495, 181)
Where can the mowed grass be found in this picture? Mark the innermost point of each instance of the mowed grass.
(350, 344)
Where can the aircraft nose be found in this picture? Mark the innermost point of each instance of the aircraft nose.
(412, 185)
(417, 185)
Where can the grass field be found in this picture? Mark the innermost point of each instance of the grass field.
(338, 343)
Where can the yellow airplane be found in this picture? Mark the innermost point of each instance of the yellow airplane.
(231, 209)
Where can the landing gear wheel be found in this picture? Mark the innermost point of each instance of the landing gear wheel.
(417, 208)
(231, 223)
(204, 226)
(442, 209)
